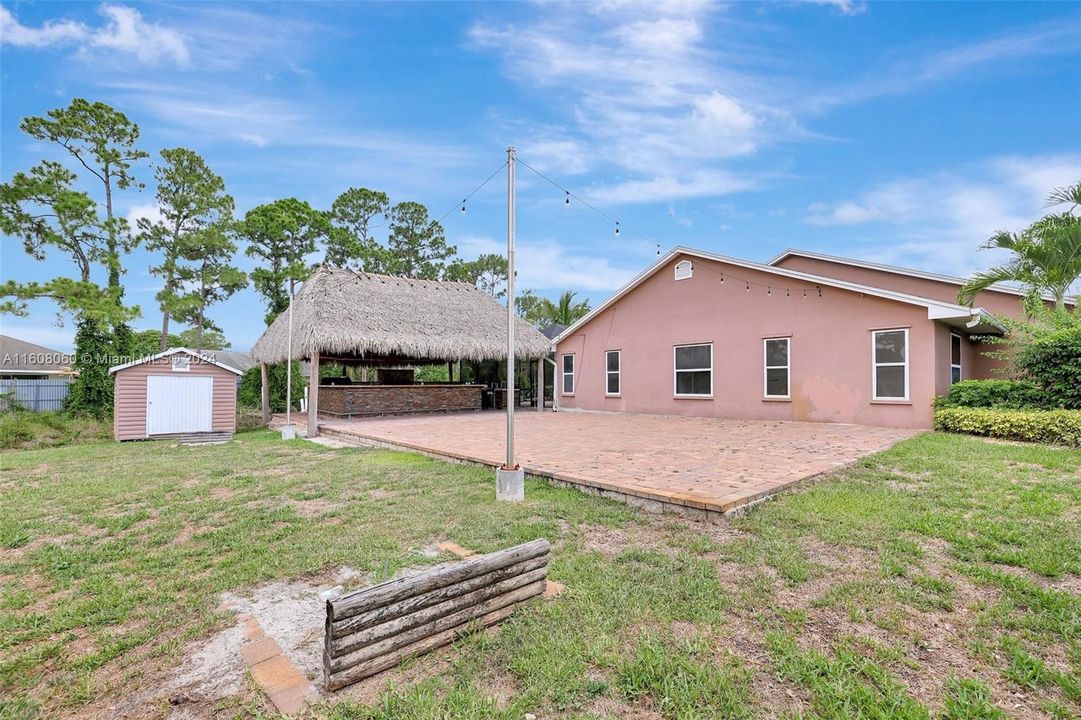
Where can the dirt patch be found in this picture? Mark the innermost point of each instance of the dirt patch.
(314, 508)
(381, 494)
(221, 492)
(291, 612)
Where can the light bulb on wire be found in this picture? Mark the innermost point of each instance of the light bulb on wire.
(567, 200)
(463, 207)
(617, 228)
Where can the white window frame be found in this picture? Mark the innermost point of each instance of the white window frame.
(766, 367)
(618, 372)
(684, 270)
(960, 357)
(180, 363)
(563, 374)
(875, 365)
(675, 373)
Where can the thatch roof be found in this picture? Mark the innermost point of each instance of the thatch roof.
(347, 314)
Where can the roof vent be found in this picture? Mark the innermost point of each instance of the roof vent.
(684, 270)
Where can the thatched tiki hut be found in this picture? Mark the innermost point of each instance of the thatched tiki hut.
(376, 321)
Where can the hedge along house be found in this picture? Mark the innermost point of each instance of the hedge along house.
(178, 393)
(392, 324)
(702, 334)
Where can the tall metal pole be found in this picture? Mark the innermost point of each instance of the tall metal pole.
(510, 464)
(510, 479)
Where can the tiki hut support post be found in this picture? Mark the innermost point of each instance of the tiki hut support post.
(264, 372)
(313, 395)
(538, 393)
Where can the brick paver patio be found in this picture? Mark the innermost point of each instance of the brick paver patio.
(698, 465)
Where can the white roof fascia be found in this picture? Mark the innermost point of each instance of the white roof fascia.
(174, 351)
(894, 269)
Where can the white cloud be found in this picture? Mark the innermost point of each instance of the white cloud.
(124, 31)
(845, 7)
(679, 219)
(671, 187)
(941, 219)
(50, 33)
(915, 70)
(547, 265)
(35, 331)
(148, 211)
(642, 91)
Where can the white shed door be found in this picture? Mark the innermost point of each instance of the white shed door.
(179, 404)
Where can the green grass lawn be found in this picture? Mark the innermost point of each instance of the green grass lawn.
(939, 579)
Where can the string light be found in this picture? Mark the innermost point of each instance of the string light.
(804, 294)
(617, 227)
(567, 200)
(748, 286)
(769, 289)
(722, 278)
(463, 207)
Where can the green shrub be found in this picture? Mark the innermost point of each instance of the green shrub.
(1059, 427)
(25, 429)
(1054, 363)
(1016, 394)
(251, 387)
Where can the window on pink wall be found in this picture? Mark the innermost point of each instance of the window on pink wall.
(955, 357)
(612, 379)
(777, 367)
(889, 349)
(568, 375)
(693, 370)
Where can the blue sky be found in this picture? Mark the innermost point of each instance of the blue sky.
(897, 132)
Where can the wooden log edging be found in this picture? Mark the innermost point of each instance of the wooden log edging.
(374, 629)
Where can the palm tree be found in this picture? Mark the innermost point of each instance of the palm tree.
(1046, 258)
(565, 312)
(1071, 195)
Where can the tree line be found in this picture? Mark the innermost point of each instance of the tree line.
(196, 236)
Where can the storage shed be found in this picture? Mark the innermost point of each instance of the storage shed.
(178, 394)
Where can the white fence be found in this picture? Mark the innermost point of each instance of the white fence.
(37, 395)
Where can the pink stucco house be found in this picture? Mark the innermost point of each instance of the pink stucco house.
(805, 337)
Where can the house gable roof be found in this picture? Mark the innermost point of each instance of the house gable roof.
(936, 310)
(174, 351)
(938, 277)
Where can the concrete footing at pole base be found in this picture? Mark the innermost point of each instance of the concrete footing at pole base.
(510, 484)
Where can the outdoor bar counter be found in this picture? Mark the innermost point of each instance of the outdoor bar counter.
(374, 399)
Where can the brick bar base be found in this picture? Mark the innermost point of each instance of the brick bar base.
(369, 400)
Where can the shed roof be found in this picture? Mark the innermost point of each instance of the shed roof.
(347, 313)
(19, 357)
(174, 351)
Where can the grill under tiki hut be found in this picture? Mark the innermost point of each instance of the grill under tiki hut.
(359, 319)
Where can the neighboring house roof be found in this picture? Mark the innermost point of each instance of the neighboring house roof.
(553, 331)
(18, 357)
(239, 359)
(346, 313)
(174, 351)
(951, 279)
(936, 309)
